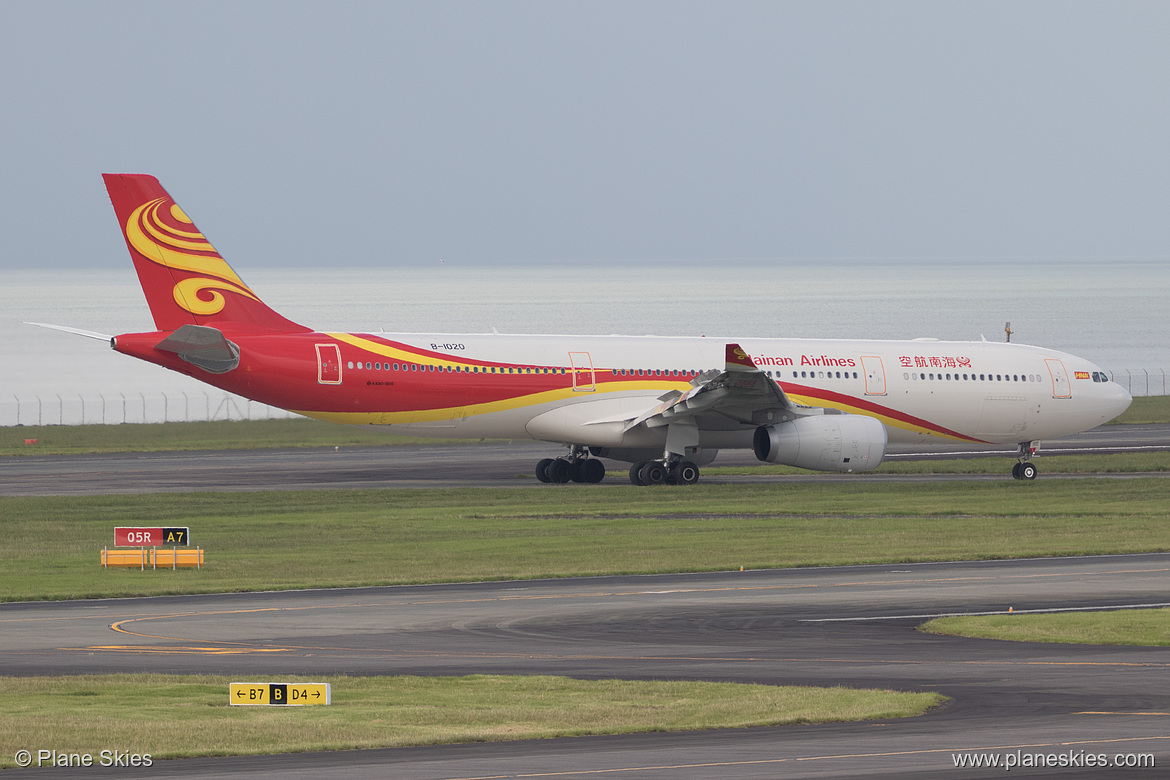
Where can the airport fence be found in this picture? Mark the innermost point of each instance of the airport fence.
(109, 409)
(117, 408)
(1143, 381)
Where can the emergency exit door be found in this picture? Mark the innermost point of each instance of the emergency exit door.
(328, 364)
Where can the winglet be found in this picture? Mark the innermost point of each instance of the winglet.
(738, 359)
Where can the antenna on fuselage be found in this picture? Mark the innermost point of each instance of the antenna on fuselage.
(1007, 328)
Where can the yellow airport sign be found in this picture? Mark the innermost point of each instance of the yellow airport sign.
(279, 694)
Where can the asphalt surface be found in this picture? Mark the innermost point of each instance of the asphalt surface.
(850, 626)
(448, 465)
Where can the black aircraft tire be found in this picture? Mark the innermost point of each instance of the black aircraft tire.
(542, 470)
(636, 474)
(1028, 470)
(653, 473)
(559, 471)
(592, 471)
(686, 473)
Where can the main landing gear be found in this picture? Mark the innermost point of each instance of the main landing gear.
(659, 472)
(577, 467)
(1025, 469)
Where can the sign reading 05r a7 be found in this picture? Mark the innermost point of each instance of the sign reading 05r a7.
(152, 537)
(280, 694)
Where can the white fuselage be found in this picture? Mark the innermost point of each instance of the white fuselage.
(920, 390)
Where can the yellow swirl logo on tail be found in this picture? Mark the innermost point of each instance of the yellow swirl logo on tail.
(169, 238)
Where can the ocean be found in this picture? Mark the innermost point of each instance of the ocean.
(1115, 313)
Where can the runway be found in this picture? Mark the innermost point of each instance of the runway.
(851, 625)
(500, 464)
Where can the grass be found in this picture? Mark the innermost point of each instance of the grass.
(1149, 627)
(49, 546)
(185, 716)
(1125, 463)
(217, 435)
(1146, 410)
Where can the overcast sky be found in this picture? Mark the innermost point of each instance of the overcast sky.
(381, 134)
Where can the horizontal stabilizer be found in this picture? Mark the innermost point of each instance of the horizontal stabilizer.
(204, 347)
(89, 334)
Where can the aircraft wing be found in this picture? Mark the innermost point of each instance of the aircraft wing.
(741, 393)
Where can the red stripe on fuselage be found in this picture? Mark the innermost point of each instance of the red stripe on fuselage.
(829, 396)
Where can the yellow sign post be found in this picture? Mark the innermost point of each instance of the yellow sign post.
(280, 694)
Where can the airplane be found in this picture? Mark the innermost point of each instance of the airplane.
(666, 405)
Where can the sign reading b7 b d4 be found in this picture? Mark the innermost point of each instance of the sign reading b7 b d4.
(280, 694)
(152, 537)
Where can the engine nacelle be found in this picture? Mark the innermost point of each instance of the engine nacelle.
(831, 442)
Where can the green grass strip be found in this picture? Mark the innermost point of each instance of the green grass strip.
(1123, 463)
(1147, 409)
(216, 435)
(187, 716)
(50, 546)
(1149, 627)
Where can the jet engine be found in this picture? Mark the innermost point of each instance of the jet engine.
(831, 442)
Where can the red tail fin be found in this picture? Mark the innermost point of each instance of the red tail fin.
(184, 278)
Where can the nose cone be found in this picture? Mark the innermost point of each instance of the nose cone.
(1118, 400)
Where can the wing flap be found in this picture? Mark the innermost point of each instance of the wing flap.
(741, 392)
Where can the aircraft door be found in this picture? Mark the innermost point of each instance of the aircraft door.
(875, 375)
(584, 377)
(328, 364)
(1060, 385)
